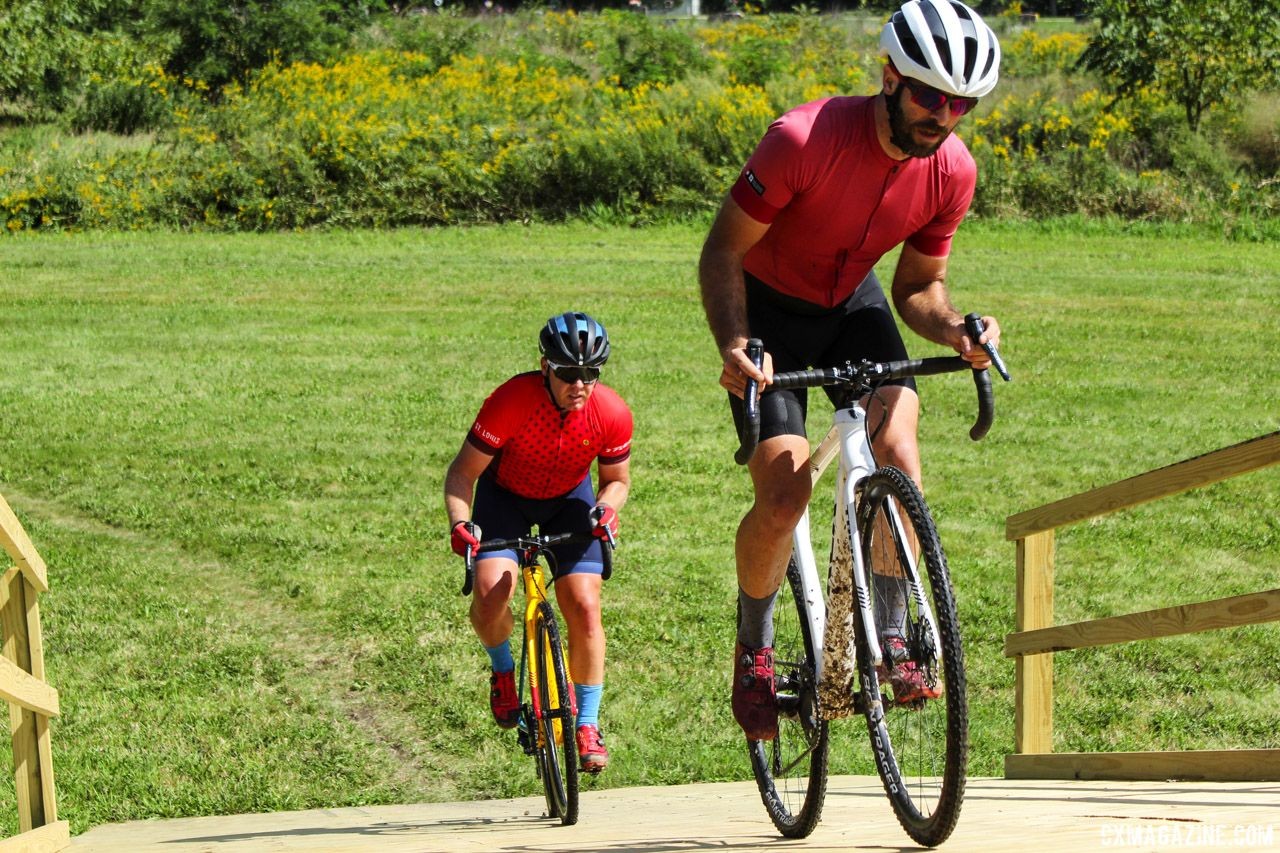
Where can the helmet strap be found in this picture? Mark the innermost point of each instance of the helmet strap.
(546, 383)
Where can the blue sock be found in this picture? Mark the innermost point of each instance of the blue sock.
(500, 657)
(588, 696)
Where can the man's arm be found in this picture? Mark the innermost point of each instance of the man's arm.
(460, 481)
(921, 298)
(724, 297)
(615, 483)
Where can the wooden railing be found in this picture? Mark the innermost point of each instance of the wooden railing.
(31, 700)
(1037, 638)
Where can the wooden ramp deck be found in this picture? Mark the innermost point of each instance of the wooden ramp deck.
(999, 814)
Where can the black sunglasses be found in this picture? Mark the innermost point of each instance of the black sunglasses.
(933, 99)
(570, 375)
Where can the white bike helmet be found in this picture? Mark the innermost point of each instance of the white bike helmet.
(943, 44)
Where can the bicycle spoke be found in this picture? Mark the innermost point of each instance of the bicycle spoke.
(920, 723)
(557, 752)
(791, 770)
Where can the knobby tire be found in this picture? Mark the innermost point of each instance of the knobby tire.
(920, 749)
(557, 748)
(791, 770)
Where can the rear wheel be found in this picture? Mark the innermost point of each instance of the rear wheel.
(557, 750)
(918, 720)
(791, 769)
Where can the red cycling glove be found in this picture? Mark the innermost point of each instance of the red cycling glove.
(465, 537)
(606, 522)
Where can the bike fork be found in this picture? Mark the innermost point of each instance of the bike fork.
(924, 613)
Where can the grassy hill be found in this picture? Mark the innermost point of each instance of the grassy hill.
(229, 450)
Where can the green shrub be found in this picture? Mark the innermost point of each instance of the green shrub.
(1256, 137)
(1030, 55)
(616, 117)
(439, 38)
(43, 50)
(219, 42)
(635, 50)
(120, 106)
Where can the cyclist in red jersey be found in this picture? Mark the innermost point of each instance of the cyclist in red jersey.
(832, 187)
(527, 460)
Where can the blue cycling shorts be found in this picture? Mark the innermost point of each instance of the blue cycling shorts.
(505, 515)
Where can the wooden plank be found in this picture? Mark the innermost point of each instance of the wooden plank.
(17, 686)
(1249, 609)
(999, 816)
(44, 742)
(1170, 480)
(44, 749)
(45, 839)
(22, 721)
(1033, 677)
(14, 540)
(1208, 765)
(35, 636)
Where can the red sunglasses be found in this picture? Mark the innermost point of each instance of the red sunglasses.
(933, 99)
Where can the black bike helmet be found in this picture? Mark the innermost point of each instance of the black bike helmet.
(574, 339)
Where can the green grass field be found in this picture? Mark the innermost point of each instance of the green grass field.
(229, 450)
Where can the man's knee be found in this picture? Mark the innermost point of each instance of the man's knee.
(779, 505)
(492, 594)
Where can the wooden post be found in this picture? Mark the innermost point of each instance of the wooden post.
(1033, 713)
(32, 762)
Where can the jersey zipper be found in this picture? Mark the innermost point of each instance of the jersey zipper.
(866, 230)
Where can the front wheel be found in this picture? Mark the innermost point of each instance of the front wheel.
(791, 769)
(914, 702)
(556, 747)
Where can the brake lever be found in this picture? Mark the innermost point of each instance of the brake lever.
(751, 406)
(471, 572)
(974, 326)
(606, 547)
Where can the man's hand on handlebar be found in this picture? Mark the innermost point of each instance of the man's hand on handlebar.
(972, 351)
(985, 332)
(464, 538)
(738, 369)
(606, 523)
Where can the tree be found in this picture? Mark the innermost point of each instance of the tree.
(1200, 53)
(223, 40)
(41, 45)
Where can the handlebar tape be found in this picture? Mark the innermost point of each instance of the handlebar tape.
(751, 406)
(973, 325)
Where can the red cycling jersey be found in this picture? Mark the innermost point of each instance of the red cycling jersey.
(541, 451)
(836, 202)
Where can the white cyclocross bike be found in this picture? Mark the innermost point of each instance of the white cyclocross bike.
(888, 620)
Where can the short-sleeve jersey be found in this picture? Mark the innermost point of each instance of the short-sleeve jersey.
(542, 452)
(836, 202)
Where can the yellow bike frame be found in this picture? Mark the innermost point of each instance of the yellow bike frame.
(535, 593)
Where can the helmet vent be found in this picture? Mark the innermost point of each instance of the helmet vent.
(908, 40)
(938, 30)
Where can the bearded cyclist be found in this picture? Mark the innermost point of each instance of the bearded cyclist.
(527, 461)
(832, 187)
